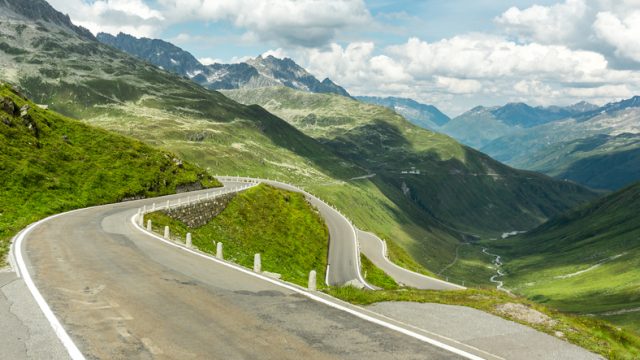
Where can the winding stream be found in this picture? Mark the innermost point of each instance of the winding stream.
(497, 262)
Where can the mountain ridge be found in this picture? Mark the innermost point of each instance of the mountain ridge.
(423, 115)
(262, 71)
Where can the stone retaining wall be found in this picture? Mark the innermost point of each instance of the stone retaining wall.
(199, 213)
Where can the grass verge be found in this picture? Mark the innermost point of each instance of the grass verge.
(281, 226)
(376, 277)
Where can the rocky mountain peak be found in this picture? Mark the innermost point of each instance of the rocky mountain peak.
(40, 11)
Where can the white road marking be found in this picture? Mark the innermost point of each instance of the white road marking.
(69, 345)
(314, 297)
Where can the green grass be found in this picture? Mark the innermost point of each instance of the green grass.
(281, 226)
(376, 277)
(50, 164)
(592, 334)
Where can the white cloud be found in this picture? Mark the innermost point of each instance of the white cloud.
(306, 23)
(610, 27)
(623, 33)
(458, 86)
(545, 24)
(133, 17)
(464, 71)
(479, 56)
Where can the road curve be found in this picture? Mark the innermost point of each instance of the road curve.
(375, 250)
(344, 255)
(120, 293)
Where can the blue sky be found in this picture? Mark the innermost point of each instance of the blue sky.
(453, 54)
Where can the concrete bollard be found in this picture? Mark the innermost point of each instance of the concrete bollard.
(219, 254)
(179, 202)
(167, 204)
(140, 217)
(312, 280)
(153, 207)
(166, 232)
(257, 263)
(148, 225)
(188, 241)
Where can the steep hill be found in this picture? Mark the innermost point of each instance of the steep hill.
(425, 116)
(51, 163)
(587, 261)
(258, 72)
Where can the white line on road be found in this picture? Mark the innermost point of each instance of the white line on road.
(314, 297)
(71, 347)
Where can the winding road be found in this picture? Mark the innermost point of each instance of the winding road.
(344, 257)
(375, 250)
(119, 293)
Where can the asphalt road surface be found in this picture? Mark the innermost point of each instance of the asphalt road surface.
(373, 248)
(123, 294)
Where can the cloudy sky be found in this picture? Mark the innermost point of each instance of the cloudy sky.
(453, 54)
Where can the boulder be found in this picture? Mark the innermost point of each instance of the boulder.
(8, 106)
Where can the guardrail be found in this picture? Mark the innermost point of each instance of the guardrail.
(309, 194)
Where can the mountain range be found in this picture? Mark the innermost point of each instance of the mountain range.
(532, 138)
(458, 194)
(598, 148)
(258, 72)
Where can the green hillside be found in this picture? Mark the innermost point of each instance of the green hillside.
(587, 261)
(281, 226)
(50, 163)
(600, 161)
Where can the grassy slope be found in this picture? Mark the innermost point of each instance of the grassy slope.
(588, 152)
(606, 232)
(280, 225)
(376, 277)
(64, 165)
(592, 334)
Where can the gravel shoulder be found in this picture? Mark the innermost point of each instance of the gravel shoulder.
(25, 332)
(483, 331)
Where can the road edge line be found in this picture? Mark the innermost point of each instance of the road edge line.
(59, 330)
(314, 297)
